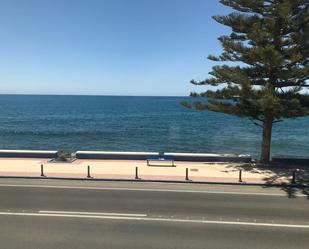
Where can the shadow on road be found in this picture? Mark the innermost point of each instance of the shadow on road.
(275, 174)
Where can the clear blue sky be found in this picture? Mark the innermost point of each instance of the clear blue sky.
(113, 47)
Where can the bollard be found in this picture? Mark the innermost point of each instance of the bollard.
(240, 175)
(187, 174)
(88, 172)
(136, 173)
(42, 170)
(294, 177)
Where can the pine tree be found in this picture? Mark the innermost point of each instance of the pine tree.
(266, 79)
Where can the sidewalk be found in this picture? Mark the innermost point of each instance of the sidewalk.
(113, 169)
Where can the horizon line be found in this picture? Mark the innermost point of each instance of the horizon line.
(94, 95)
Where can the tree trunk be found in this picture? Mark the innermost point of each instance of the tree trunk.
(267, 128)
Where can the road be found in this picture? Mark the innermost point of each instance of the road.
(81, 214)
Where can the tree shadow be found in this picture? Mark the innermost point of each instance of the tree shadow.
(279, 176)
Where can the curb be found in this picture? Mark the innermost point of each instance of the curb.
(159, 181)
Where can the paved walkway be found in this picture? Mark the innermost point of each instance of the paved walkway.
(120, 169)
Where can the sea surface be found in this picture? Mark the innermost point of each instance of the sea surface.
(121, 123)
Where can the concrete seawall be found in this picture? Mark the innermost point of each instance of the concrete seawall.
(185, 157)
(28, 153)
(291, 160)
(111, 155)
(192, 157)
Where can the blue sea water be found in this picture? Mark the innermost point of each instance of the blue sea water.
(122, 123)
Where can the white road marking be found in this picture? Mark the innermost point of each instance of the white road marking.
(148, 189)
(157, 219)
(90, 213)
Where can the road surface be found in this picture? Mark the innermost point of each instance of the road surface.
(80, 214)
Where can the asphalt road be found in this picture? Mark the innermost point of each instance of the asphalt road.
(72, 214)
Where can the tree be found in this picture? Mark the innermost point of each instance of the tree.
(266, 79)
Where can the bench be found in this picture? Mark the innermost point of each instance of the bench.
(161, 158)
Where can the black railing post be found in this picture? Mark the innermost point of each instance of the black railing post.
(42, 170)
(88, 172)
(136, 173)
(240, 175)
(294, 176)
(187, 174)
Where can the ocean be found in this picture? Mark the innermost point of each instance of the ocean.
(122, 123)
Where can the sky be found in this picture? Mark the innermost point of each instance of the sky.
(107, 47)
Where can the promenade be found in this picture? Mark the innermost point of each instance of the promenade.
(127, 170)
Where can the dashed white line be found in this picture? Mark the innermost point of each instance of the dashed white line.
(157, 219)
(91, 213)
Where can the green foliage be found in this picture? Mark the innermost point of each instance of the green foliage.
(269, 47)
(63, 156)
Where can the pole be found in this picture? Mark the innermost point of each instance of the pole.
(42, 170)
(294, 177)
(136, 173)
(240, 175)
(187, 174)
(88, 172)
